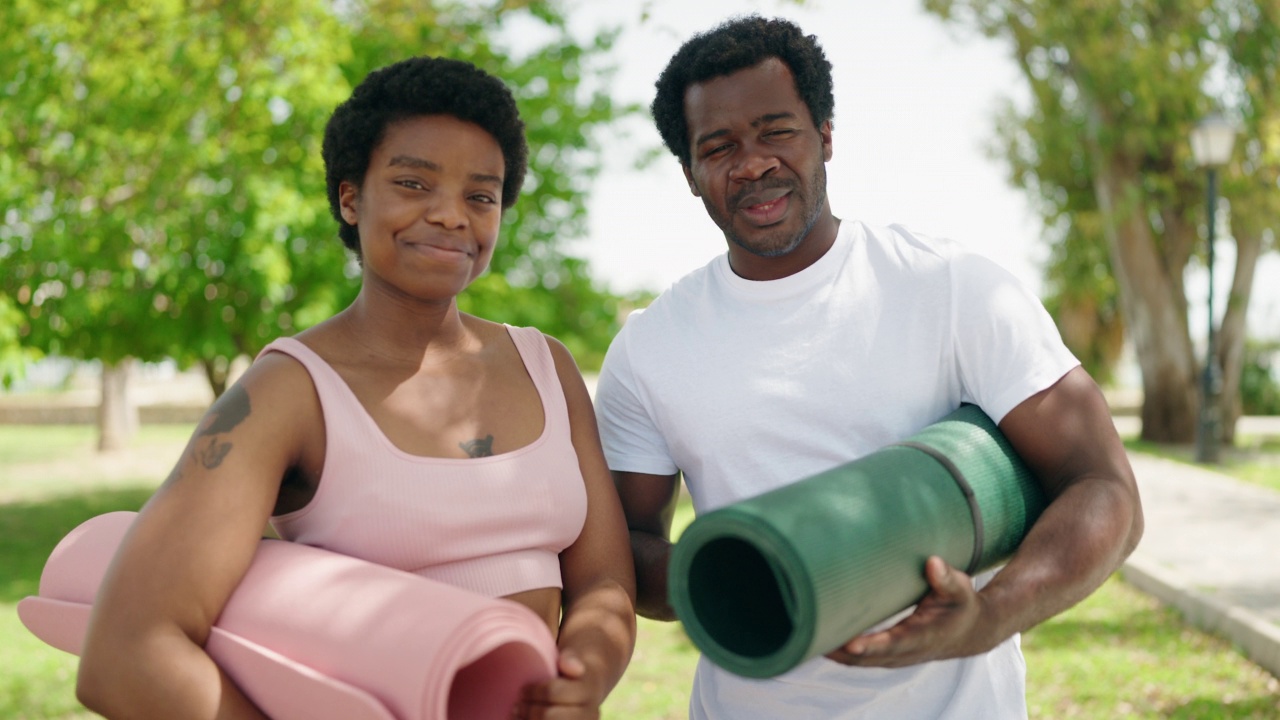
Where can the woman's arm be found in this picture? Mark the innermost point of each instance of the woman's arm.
(187, 550)
(598, 627)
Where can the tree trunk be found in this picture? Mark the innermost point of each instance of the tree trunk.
(117, 414)
(1234, 330)
(217, 370)
(1154, 312)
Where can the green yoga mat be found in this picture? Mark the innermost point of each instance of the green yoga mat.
(769, 582)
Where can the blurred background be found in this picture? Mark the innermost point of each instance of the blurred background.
(163, 217)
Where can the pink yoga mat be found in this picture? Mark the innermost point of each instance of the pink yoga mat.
(312, 634)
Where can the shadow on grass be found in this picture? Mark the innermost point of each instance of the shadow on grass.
(30, 530)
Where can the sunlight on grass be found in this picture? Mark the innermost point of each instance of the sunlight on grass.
(1121, 655)
(42, 443)
(48, 460)
(31, 443)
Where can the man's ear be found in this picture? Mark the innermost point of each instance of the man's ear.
(824, 130)
(349, 202)
(688, 176)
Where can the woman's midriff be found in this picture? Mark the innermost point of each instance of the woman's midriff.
(545, 603)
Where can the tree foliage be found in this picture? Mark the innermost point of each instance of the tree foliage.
(163, 190)
(1102, 148)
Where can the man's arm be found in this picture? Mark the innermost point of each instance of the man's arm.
(1093, 521)
(649, 502)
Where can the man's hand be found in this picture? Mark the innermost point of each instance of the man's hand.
(947, 623)
(574, 694)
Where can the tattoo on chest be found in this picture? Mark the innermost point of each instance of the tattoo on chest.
(230, 410)
(480, 447)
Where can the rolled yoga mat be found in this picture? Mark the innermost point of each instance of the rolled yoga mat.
(771, 581)
(311, 634)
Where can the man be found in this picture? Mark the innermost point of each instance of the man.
(815, 341)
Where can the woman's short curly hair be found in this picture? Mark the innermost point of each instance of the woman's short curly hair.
(410, 88)
(738, 44)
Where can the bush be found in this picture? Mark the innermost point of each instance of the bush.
(1260, 378)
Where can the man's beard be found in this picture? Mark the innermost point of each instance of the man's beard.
(779, 243)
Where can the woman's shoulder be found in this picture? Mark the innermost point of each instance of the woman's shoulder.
(281, 375)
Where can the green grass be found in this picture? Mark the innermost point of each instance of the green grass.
(40, 443)
(1119, 655)
(31, 443)
(37, 681)
(48, 460)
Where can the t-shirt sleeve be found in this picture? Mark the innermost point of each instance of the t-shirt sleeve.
(628, 431)
(1007, 346)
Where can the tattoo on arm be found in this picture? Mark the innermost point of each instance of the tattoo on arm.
(480, 447)
(230, 410)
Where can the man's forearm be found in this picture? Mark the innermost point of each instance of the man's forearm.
(652, 553)
(1081, 539)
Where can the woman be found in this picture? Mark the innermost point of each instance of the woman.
(392, 431)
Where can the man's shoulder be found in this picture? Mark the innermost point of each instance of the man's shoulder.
(900, 239)
(679, 298)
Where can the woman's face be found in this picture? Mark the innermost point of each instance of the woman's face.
(430, 206)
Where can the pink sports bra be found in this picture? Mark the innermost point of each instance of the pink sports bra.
(493, 525)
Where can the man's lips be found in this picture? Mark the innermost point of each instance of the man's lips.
(765, 208)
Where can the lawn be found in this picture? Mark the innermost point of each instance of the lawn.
(1119, 655)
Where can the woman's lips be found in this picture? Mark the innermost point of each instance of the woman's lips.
(439, 249)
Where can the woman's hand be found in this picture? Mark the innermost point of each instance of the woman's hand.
(575, 693)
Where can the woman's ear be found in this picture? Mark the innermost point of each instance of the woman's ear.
(349, 202)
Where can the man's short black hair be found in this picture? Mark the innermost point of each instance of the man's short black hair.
(410, 88)
(738, 44)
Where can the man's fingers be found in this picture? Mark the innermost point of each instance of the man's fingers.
(944, 579)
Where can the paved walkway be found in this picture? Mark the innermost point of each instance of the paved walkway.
(1211, 549)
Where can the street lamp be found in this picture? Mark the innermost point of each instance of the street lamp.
(1211, 142)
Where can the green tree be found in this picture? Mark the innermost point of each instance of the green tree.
(1102, 147)
(165, 181)
(165, 193)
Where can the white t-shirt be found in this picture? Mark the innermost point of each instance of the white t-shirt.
(745, 386)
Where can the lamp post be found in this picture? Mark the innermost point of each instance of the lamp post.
(1211, 142)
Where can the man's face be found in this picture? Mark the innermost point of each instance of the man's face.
(757, 161)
